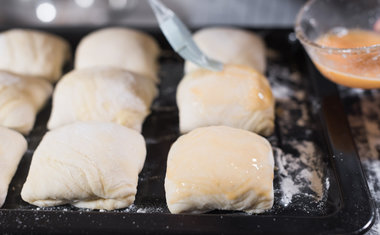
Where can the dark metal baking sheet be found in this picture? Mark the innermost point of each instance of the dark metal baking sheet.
(346, 208)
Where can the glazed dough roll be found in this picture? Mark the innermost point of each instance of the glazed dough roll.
(221, 168)
(125, 48)
(238, 96)
(230, 46)
(87, 164)
(12, 148)
(102, 94)
(20, 100)
(33, 53)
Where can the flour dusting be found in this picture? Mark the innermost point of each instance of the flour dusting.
(302, 175)
(143, 210)
(289, 188)
(300, 172)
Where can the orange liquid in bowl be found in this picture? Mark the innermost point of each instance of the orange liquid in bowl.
(354, 70)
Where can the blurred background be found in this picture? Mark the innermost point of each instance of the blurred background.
(196, 13)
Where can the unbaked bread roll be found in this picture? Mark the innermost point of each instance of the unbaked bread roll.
(102, 94)
(12, 148)
(221, 168)
(230, 46)
(238, 96)
(87, 164)
(20, 100)
(33, 53)
(125, 48)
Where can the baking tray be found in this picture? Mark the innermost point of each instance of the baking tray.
(311, 113)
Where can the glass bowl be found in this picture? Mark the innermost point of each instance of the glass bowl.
(354, 67)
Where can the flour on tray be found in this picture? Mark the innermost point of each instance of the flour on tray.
(137, 209)
(300, 169)
(302, 175)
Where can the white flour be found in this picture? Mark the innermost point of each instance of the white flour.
(143, 210)
(289, 189)
(301, 171)
(301, 176)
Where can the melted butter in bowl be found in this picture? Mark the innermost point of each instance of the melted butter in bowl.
(341, 39)
(348, 67)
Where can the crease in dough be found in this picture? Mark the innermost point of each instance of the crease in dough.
(219, 167)
(33, 53)
(12, 147)
(87, 164)
(124, 48)
(102, 94)
(21, 98)
(230, 46)
(238, 96)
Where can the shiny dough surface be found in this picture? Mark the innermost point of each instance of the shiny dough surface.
(238, 96)
(102, 94)
(33, 53)
(87, 164)
(219, 167)
(12, 147)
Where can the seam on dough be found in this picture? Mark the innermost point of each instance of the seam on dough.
(92, 163)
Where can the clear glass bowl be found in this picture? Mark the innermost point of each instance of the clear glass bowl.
(353, 67)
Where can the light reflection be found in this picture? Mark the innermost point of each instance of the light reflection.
(46, 12)
(118, 4)
(84, 3)
(256, 166)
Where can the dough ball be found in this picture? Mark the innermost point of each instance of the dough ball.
(230, 46)
(87, 164)
(125, 48)
(102, 94)
(12, 147)
(238, 96)
(20, 100)
(33, 53)
(221, 168)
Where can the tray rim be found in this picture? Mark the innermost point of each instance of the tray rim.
(264, 223)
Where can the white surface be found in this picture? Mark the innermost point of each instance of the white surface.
(33, 53)
(12, 148)
(20, 100)
(124, 48)
(102, 94)
(87, 164)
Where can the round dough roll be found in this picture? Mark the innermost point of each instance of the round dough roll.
(221, 168)
(87, 164)
(12, 148)
(20, 100)
(102, 94)
(230, 46)
(238, 96)
(33, 53)
(129, 49)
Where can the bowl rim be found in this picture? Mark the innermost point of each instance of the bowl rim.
(304, 39)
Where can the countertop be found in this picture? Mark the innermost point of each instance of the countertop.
(363, 111)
